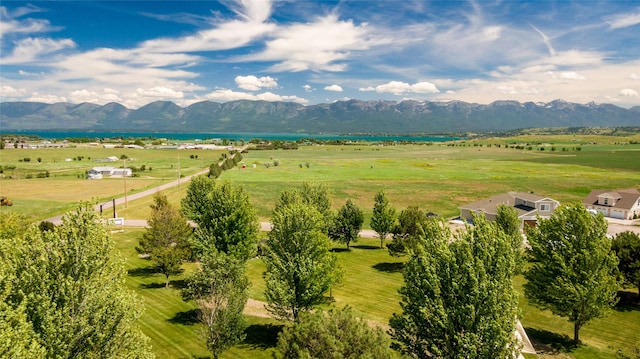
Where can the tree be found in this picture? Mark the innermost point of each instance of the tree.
(458, 300)
(69, 287)
(627, 248)
(384, 216)
(299, 266)
(336, 334)
(220, 290)
(508, 221)
(225, 217)
(347, 224)
(407, 232)
(575, 271)
(314, 195)
(166, 240)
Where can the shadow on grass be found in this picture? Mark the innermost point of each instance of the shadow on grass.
(340, 250)
(548, 342)
(263, 336)
(143, 271)
(628, 301)
(365, 246)
(388, 267)
(154, 285)
(190, 317)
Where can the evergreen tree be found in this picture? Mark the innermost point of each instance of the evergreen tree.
(166, 240)
(299, 266)
(337, 334)
(575, 271)
(347, 224)
(69, 287)
(384, 216)
(220, 290)
(458, 300)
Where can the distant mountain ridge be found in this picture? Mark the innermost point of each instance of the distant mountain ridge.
(352, 116)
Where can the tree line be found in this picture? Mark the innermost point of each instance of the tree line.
(457, 298)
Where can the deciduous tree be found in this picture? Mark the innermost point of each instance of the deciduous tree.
(383, 218)
(225, 217)
(166, 240)
(508, 221)
(69, 285)
(314, 195)
(299, 266)
(408, 232)
(457, 299)
(627, 248)
(220, 290)
(575, 271)
(347, 224)
(336, 334)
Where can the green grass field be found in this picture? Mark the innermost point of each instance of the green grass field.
(437, 178)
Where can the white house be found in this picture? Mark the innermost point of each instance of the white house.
(99, 172)
(621, 204)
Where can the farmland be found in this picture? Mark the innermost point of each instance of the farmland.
(435, 177)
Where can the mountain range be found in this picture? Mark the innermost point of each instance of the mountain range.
(342, 117)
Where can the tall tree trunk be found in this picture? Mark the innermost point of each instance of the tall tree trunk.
(166, 282)
(576, 334)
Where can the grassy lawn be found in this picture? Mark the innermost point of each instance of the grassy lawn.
(371, 281)
(437, 178)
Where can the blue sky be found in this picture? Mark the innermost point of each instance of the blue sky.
(137, 52)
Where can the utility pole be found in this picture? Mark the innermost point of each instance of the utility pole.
(178, 170)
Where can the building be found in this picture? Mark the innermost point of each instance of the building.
(99, 172)
(529, 206)
(621, 204)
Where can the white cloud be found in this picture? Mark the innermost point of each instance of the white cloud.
(251, 24)
(507, 90)
(629, 93)
(159, 92)
(46, 98)
(624, 20)
(570, 75)
(397, 88)
(10, 22)
(253, 83)
(8, 91)
(322, 45)
(335, 88)
(30, 49)
(634, 76)
(367, 89)
(307, 88)
(224, 95)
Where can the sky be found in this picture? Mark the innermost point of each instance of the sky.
(310, 52)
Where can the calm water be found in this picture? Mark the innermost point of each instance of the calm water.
(54, 135)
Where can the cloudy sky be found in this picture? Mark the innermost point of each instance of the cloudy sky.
(136, 52)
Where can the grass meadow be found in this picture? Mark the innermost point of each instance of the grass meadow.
(435, 177)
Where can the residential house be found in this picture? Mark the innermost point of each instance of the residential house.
(529, 206)
(621, 204)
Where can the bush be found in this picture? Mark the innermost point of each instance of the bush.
(26, 159)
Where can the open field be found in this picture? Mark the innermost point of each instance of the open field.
(437, 178)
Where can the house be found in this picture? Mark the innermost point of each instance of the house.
(99, 172)
(529, 206)
(621, 204)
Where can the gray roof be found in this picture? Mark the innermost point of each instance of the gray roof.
(626, 198)
(490, 205)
